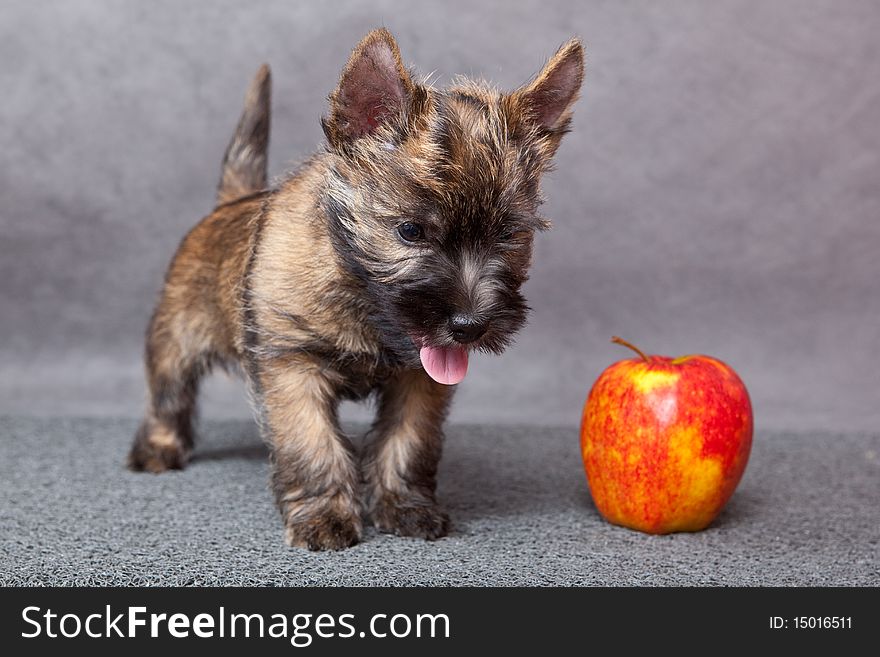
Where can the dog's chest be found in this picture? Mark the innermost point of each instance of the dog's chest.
(358, 378)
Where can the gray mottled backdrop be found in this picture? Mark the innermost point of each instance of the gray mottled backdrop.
(720, 192)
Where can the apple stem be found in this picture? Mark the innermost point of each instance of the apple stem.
(621, 341)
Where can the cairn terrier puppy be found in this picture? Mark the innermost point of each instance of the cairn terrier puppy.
(375, 268)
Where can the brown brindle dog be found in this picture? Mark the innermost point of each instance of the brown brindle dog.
(374, 268)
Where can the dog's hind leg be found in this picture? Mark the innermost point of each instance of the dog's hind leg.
(179, 351)
(190, 329)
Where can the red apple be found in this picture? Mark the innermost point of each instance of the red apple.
(665, 441)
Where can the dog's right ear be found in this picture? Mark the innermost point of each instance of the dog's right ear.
(548, 99)
(375, 89)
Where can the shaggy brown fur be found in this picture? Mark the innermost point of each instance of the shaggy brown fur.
(411, 230)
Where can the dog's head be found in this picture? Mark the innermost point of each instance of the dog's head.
(433, 198)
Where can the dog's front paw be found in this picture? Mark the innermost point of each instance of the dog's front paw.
(415, 516)
(326, 530)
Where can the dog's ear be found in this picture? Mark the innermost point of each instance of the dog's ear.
(547, 100)
(375, 88)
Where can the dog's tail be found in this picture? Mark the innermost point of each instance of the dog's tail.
(244, 165)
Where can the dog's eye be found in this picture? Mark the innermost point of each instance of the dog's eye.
(410, 232)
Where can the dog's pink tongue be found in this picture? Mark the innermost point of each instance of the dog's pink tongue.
(446, 365)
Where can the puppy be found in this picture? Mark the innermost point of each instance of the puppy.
(375, 269)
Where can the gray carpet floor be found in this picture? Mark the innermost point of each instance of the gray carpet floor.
(806, 513)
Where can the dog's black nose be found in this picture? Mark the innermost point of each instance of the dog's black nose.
(466, 329)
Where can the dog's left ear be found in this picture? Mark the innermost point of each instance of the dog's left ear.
(548, 99)
(375, 89)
